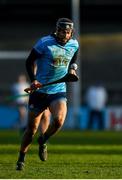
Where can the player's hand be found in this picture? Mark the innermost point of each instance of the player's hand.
(72, 71)
(73, 68)
(36, 84)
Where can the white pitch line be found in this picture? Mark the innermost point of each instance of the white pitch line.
(15, 55)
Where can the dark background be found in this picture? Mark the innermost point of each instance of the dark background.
(22, 22)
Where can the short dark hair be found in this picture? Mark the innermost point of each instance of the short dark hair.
(65, 23)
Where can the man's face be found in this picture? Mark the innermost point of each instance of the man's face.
(63, 35)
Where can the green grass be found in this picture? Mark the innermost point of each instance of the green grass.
(71, 155)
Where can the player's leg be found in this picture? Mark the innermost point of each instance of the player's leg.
(33, 123)
(44, 124)
(45, 121)
(58, 110)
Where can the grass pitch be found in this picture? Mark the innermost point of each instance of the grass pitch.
(71, 155)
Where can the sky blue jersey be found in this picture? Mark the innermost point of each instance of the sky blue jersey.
(53, 62)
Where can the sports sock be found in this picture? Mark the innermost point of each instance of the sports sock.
(21, 157)
(43, 139)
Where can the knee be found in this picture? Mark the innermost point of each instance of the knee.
(32, 130)
(58, 122)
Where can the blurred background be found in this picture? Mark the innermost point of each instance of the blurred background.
(99, 31)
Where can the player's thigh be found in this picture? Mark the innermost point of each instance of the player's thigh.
(45, 119)
(46, 115)
(58, 109)
(33, 119)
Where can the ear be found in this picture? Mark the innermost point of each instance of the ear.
(73, 32)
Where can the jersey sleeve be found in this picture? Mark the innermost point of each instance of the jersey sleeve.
(39, 46)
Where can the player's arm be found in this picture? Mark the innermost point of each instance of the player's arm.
(30, 65)
(30, 61)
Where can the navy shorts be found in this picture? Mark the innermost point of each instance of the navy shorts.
(38, 102)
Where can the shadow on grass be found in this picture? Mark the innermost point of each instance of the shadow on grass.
(68, 138)
(67, 150)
